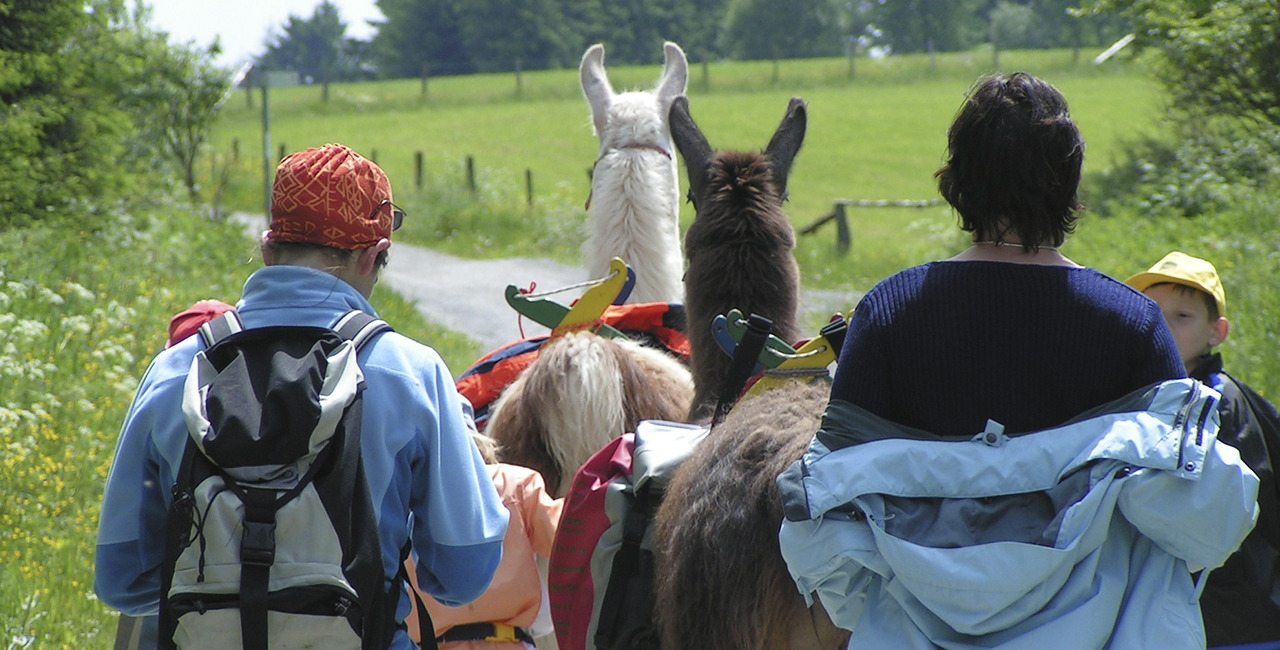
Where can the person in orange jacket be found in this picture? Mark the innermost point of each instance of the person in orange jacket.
(507, 614)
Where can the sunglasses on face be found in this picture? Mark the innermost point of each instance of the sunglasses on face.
(397, 214)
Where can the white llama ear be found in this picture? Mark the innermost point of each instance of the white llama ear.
(595, 85)
(675, 76)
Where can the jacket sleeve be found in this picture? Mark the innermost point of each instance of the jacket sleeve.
(131, 526)
(458, 518)
(541, 513)
(1201, 519)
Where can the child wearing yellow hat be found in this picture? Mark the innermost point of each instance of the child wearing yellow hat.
(1241, 600)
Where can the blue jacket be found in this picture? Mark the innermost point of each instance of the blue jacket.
(426, 478)
(1082, 536)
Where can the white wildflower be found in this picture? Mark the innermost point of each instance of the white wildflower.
(78, 324)
(29, 330)
(48, 296)
(77, 290)
(17, 289)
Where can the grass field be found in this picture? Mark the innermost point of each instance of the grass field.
(878, 136)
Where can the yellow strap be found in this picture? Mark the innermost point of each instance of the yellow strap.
(503, 633)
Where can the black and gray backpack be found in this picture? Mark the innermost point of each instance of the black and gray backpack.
(272, 539)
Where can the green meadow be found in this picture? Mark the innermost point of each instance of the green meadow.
(879, 135)
(81, 318)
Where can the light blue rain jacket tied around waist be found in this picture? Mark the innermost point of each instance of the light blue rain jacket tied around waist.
(1082, 536)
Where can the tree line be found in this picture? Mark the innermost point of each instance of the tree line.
(93, 102)
(453, 37)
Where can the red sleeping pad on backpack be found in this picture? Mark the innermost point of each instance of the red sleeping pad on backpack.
(656, 323)
(600, 581)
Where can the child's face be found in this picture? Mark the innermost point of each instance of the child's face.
(1187, 316)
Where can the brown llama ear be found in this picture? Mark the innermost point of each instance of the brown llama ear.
(786, 142)
(692, 145)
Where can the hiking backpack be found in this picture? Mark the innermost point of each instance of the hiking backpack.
(272, 539)
(601, 574)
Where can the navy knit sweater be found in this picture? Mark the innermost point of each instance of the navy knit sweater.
(945, 346)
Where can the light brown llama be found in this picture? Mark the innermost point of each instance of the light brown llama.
(581, 392)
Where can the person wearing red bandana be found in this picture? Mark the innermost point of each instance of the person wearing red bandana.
(332, 218)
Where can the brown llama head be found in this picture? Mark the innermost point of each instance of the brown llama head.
(739, 247)
(582, 391)
(720, 582)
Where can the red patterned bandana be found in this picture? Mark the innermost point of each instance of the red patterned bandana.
(325, 196)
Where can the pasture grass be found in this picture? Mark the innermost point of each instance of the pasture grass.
(880, 135)
(81, 315)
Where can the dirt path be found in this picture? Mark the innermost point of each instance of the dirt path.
(467, 295)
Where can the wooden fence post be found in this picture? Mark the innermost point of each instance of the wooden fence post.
(842, 230)
(853, 55)
(471, 174)
(528, 186)
(282, 152)
(417, 169)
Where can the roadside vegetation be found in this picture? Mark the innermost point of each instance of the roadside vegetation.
(82, 312)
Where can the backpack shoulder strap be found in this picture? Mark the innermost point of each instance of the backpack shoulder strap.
(179, 504)
(741, 367)
(359, 328)
(220, 328)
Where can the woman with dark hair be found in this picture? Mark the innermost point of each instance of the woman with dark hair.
(1009, 329)
(1010, 457)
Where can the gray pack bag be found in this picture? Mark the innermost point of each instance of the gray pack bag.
(272, 539)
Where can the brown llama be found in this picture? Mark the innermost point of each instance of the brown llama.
(581, 392)
(739, 247)
(721, 583)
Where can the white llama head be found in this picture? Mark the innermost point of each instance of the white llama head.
(635, 186)
(634, 117)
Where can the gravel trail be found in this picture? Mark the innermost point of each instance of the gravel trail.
(467, 296)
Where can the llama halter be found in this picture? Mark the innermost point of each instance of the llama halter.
(633, 145)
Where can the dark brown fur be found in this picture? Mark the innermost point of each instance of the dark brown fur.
(739, 247)
(721, 583)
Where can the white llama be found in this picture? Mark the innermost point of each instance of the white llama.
(635, 195)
